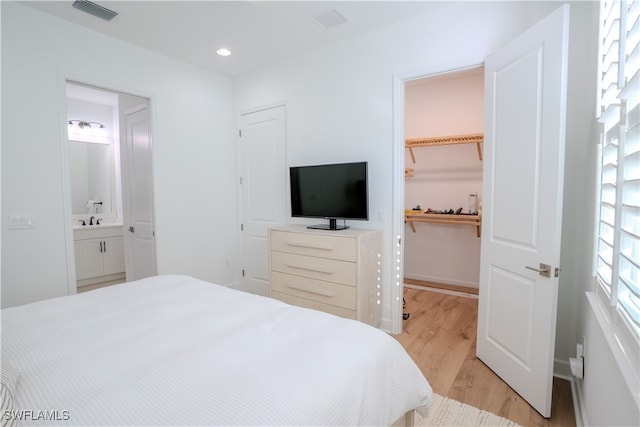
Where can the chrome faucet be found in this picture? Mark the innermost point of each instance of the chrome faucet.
(91, 220)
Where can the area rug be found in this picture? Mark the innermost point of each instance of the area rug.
(448, 412)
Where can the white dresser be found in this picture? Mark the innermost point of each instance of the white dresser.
(334, 271)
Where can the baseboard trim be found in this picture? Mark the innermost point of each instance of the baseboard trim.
(426, 284)
(578, 404)
(562, 370)
(442, 280)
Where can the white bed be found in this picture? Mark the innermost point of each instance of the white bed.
(174, 350)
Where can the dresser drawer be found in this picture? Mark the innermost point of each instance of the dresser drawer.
(327, 308)
(329, 270)
(317, 245)
(316, 290)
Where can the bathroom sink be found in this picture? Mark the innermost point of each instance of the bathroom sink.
(105, 225)
(97, 231)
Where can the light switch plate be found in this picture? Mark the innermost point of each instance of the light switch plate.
(17, 222)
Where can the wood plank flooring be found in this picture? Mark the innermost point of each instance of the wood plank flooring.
(440, 335)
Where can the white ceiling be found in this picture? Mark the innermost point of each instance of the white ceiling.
(257, 32)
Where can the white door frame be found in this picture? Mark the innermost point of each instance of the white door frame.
(397, 240)
(65, 76)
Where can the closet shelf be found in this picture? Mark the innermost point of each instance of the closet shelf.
(411, 216)
(472, 138)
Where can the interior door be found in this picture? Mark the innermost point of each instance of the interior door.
(137, 189)
(522, 211)
(263, 187)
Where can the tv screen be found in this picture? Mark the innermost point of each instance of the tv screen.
(333, 191)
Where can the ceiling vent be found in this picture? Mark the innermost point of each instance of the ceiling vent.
(330, 19)
(95, 9)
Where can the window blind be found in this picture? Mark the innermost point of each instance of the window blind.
(618, 247)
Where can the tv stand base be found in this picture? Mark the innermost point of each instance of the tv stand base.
(331, 226)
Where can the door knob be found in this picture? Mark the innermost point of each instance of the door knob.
(131, 229)
(544, 270)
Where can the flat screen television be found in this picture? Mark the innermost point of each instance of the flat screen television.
(333, 191)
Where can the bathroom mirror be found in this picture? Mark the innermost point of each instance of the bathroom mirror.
(90, 168)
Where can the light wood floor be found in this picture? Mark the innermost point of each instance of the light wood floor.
(440, 335)
(87, 288)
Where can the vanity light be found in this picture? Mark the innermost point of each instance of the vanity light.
(86, 131)
(82, 124)
(223, 51)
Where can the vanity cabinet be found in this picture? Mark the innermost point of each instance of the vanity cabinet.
(333, 271)
(99, 254)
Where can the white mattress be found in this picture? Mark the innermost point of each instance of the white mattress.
(173, 350)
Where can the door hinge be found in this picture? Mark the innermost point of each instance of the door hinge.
(241, 227)
(243, 272)
(240, 180)
(240, 133)
(556, 272)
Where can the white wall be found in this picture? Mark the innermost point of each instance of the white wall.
(193, 143)
(444, 176)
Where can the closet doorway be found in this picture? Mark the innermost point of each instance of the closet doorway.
(443, 131)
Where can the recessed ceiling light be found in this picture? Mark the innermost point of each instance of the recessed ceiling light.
(223, 51)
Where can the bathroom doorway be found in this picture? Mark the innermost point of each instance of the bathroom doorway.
(110, 186)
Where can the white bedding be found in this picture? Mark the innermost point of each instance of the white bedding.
(173, 350)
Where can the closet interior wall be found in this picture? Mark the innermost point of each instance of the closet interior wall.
(444, 176)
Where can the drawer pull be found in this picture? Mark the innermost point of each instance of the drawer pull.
(308, 245)
(311, 291)
(315, 268)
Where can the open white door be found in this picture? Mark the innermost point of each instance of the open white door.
(525, 106)
(264, 195)
(137, 197)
